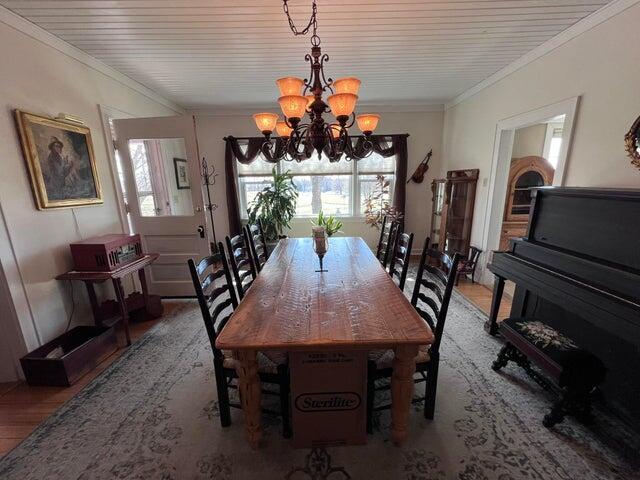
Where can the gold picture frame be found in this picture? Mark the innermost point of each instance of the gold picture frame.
(60, 160)
(632, 143)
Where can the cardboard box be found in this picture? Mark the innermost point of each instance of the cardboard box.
(328, 393)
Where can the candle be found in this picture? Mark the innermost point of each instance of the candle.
(319, 240)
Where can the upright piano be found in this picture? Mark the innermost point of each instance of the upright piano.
(578, 270)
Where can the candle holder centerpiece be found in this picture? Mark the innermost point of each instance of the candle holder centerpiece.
(320, 244)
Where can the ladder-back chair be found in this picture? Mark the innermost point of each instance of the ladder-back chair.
(217, 299)
(431, 295)
(400, 257)
(241, 262)
(257, 242)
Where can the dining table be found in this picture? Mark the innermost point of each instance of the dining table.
(352, 306)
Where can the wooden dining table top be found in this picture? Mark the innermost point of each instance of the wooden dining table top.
(354, 304)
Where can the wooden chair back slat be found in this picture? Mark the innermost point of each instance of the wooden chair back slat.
(434, 287)
(435, 306)
(426, 317)
(400, 258)
(210, 279)
(381, 245)
(241, 262)
(215, 294)
(436, 272)
(219, 308)
(221, 323)
(219, 298)
(389, 242)
(255, 238)
(439, 304)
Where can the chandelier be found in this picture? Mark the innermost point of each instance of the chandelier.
(298, 137)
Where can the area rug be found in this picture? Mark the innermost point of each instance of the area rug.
(153, 415)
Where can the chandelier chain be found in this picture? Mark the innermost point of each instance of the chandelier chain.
(313, 22)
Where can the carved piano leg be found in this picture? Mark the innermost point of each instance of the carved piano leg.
(506, 354)
(404, 366)
(491, 325)
(250, 394)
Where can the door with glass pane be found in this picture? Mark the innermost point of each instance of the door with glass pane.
(160, 162)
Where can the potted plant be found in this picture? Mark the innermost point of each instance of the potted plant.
(275, 205)
(330, 223)
(377, 206)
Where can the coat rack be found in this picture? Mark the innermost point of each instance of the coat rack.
(209, 175)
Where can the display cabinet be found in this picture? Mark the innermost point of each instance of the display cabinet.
(457, 212)
(437, 205)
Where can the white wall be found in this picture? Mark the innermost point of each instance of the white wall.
(529, 141)
(425, 132)
(602, 66)
(34, 244)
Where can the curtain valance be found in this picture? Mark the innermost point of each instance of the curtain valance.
(246, 150)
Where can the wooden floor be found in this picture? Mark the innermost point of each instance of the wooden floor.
(23, 408)
(480, 296)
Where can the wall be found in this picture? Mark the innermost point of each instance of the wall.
(529, 141)
(601, 67)
(425, 132)
(34, 244)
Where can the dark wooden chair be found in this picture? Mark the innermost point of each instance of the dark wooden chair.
(387, 238)
(400, 257)
(255, 238)
(468, 265)
(241, 261)
(431, 296)
(216, 296)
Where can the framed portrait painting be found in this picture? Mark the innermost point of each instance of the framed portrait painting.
(60, 160)
(182, 173)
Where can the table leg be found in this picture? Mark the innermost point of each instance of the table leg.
(491, 325)
(250, 394)
(145, 289)
(93, 300)
(404, 366)
(122, 301)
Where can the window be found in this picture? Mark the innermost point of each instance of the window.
(553, 143)
(338, 188)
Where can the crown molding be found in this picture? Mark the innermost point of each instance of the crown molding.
(248, 111)
(38, 33)
(596, 18)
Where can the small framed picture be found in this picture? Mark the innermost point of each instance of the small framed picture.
(60, 161)
(182, 173)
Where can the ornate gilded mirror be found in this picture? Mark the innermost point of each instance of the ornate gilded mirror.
(632, 143)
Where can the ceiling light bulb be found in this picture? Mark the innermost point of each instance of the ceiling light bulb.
(347, 85)
(367, 122)
(293, 106)
(290, 85)
(266, 122)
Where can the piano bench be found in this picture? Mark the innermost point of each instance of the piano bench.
(570, 370)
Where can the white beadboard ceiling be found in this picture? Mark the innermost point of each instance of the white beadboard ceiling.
(207, 53)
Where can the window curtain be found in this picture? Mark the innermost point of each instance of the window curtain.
(385, 145)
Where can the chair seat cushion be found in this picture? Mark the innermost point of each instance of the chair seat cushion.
(268, 362)
(579, 367)
(384, 358)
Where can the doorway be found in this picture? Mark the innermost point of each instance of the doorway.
(156, 172)
(531, 150)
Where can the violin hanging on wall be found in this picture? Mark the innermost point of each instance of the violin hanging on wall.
(418, 175)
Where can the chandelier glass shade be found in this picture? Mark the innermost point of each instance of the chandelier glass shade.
(303, 129)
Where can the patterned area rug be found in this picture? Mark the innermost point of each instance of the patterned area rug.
(153, 415)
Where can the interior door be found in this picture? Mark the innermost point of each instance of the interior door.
(164, 196)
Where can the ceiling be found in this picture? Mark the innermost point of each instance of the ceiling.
(206, 53)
